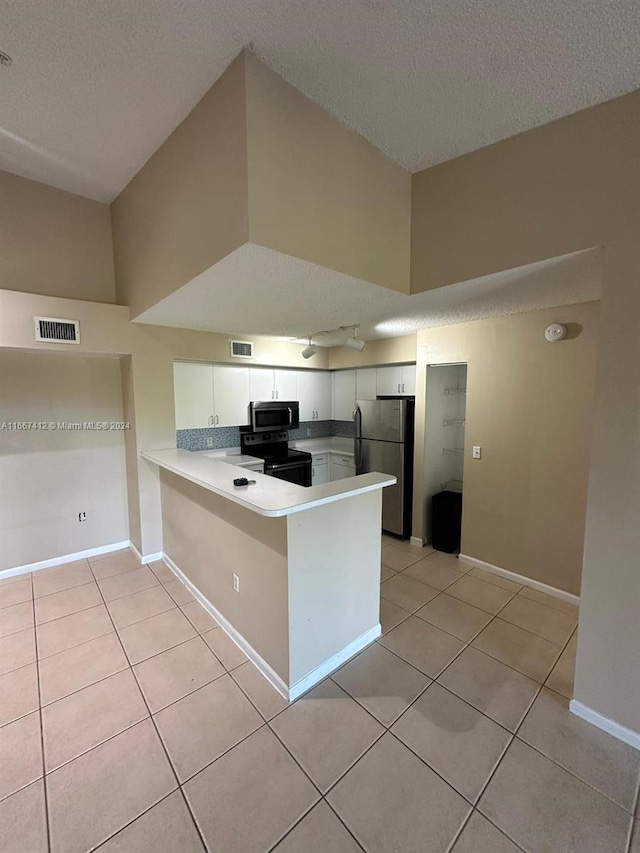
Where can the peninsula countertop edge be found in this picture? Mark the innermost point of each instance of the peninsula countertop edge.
(269, 496)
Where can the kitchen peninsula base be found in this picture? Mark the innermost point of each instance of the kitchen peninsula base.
(307, 577)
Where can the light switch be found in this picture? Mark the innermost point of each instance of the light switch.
(476, 452)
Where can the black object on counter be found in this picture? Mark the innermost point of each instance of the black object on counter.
(242, 481)
(446, 521)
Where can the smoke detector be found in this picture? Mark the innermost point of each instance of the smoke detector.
(5, 59)
(555, 332)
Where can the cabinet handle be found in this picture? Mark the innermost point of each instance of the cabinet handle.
(398, 387)
(217, 420)
(276, 394)
(403, 387)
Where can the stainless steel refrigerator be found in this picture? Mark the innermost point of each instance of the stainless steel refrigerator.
(384, 443)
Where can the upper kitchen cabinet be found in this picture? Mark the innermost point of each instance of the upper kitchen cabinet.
(314, 395)
(230, 395)
(344, 395)
(366, 383)
(267, 383)
(193, 394)
(396, 381)
(208, 395)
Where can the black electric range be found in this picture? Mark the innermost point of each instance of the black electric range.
(280, 460)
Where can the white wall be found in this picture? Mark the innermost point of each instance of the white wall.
(48, 476)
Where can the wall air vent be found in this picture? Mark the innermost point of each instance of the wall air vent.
(57, 331)
(241, 349)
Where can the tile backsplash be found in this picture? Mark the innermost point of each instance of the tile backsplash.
(196, 439)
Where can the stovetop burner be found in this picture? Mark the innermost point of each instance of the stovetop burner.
(270, 445)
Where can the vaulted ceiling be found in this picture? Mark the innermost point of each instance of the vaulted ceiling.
(95, 88)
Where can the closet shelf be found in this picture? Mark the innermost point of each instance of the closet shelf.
(452, 485)
(454, 422)
(453, 451)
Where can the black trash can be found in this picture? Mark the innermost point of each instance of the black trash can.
(446, 521)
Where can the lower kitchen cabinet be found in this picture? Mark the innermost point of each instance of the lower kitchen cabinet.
(342, 466)
(319, 474)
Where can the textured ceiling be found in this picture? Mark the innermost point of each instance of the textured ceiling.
(96, 87)
(258, 291)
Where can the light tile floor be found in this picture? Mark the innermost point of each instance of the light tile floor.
(131, 723)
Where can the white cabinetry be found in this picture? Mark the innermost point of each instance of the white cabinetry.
(267, 383)
(193, 394)
(208, 395)
(342, 466)
(230, 395)
(314, 395)
(396, 381)
(319, 468)
(343, 394)
(366, 383)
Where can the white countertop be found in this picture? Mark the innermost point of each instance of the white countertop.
(269, 496)
(230, 455)
(330, 444)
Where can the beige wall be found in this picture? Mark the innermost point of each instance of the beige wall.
(209, 538)
(608, 662)
(48, 476)
(318, 190)
(53, 242)
(568, 185)
(529, 408)
(187, 207)
(385, 351)
(147, 379)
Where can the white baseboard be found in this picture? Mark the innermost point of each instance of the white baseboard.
(605, 723)
(521, 579)
(67, 558)
(270, 674)
(415, 540)
(332, 663)
(148, 558)
(301, 686)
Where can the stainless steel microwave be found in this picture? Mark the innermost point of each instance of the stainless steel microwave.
(274, 415)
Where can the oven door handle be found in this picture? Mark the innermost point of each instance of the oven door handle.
(271, 467)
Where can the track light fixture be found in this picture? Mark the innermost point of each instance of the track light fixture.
(352, 341)
(309, 351)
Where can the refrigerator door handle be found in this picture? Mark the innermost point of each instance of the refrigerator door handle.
(357, 418)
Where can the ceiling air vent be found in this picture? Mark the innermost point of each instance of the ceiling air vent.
(56, 330)
(241, 349)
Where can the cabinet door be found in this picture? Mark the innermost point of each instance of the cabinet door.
(193, 394)
(261, 384)
(366, 380)
(344, 395)
(306, 394)
(285, 384)
(230, 395)
(319, 474)
(322, 395)
(389, 381)
(409, 379)
(340, 471)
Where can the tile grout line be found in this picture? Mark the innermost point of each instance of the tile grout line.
(155, 727)
(45, 792)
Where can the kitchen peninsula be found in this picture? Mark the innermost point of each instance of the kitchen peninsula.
(291, 573)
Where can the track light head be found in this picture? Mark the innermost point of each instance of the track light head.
(354, 343)
(309, 351)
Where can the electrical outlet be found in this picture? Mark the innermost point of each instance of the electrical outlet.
(476, 452)
(82, 516)
(236, 583)
(308, 433)
(209, 442)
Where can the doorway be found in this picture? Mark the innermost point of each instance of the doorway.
(445, 417)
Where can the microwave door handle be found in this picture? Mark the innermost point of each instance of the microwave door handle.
(290, 415)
